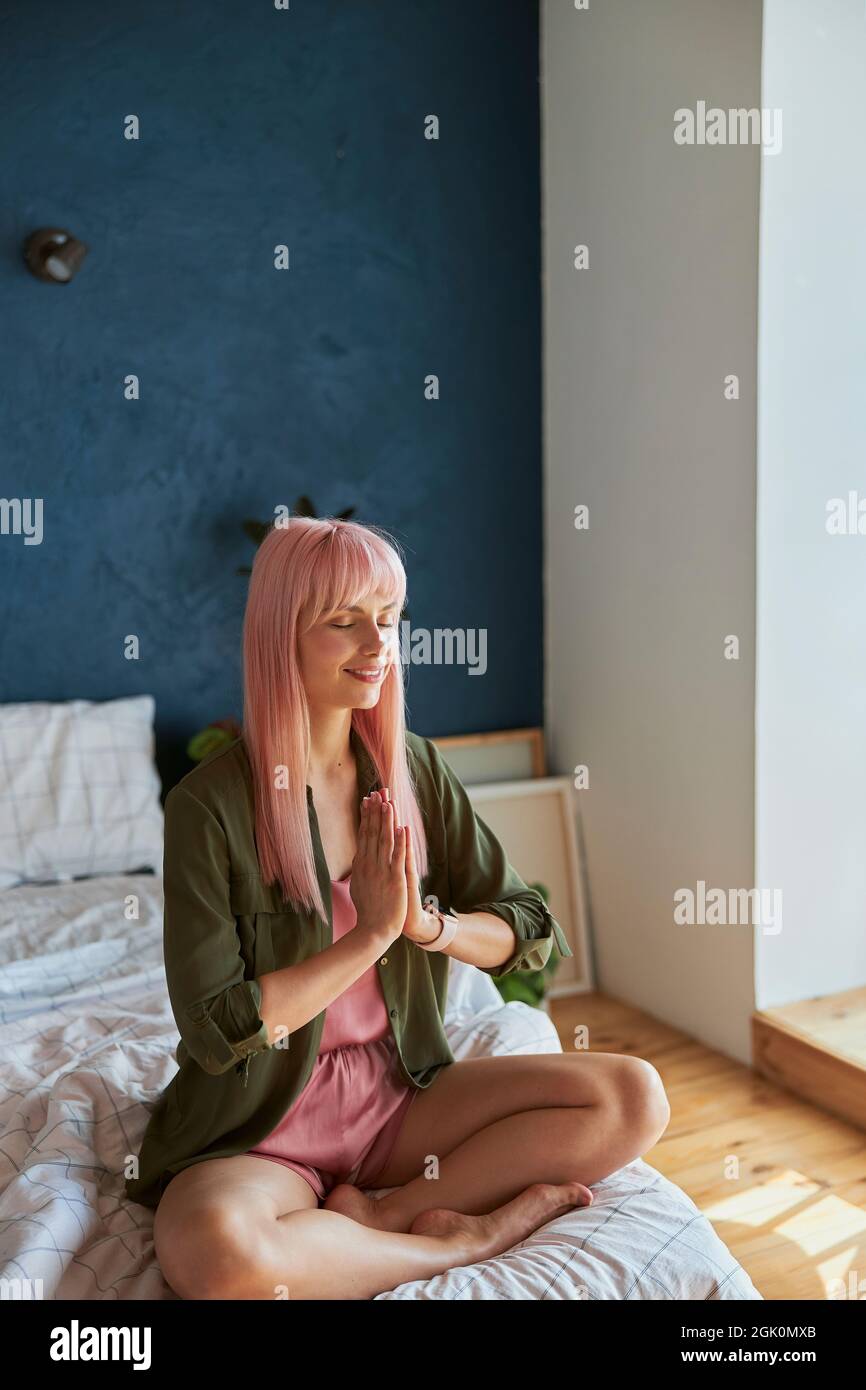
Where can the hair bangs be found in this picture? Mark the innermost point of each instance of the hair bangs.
(348, 567)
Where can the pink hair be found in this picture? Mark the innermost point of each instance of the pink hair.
(303, 568)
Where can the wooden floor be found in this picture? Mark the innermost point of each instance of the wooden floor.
(793, 1211)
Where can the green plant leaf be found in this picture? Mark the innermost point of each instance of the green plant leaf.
(206, 740)
(256, 530)
(517, 987)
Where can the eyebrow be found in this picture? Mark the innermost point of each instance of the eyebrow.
(356, 609)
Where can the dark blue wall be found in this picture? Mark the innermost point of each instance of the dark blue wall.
(408, 257)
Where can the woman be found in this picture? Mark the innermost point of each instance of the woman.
(307, 965)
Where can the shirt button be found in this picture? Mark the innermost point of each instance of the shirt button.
(393, 1013)
(384, 960)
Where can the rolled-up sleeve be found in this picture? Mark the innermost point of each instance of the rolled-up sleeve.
(481, 879)
(216, 1009)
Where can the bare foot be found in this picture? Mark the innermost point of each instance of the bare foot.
(351, 1201)
(485, 1236)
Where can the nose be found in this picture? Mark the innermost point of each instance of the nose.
(378, 646)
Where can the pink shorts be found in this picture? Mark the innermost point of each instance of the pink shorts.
(344, 1124)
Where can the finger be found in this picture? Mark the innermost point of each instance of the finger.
(399, 860)
(374, 820)
(386, 834)
(411, 871)
(366, 829)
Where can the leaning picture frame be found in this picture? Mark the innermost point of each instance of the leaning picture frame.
(535, 821)
(495, 757)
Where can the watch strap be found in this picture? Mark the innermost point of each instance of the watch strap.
(447, 934)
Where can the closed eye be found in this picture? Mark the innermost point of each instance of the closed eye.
(352, 624)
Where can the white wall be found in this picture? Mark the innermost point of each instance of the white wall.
(811, 659)
(637, 427)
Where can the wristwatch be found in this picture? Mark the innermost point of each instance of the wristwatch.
(449, 925)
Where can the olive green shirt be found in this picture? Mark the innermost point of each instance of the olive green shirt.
(224, 928)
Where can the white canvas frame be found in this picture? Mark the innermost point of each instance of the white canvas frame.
(535, 822)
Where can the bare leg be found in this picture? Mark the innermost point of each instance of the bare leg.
(596, 1112)
(492, 1166)
(333, 1256)
(222, 1231)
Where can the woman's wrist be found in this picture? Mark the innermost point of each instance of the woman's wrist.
(447, 924)
(373, 931)
(431, 928)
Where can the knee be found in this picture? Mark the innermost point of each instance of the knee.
(643, 1100)
(207, 1252)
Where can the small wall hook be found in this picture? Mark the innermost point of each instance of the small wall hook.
(54, 255)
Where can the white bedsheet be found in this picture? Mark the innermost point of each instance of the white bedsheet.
(87, 1040)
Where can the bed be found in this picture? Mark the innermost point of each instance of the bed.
(87, 1040)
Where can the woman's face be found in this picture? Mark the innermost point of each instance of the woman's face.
(336, 651)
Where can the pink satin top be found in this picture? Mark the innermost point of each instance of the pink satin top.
(343, 1125)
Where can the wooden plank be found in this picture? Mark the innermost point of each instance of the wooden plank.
(810, 1068)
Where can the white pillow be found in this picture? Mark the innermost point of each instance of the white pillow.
(79, 790)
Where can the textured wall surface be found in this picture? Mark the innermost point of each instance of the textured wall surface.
(407, 257)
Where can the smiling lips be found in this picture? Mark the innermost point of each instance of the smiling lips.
(370, 675)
